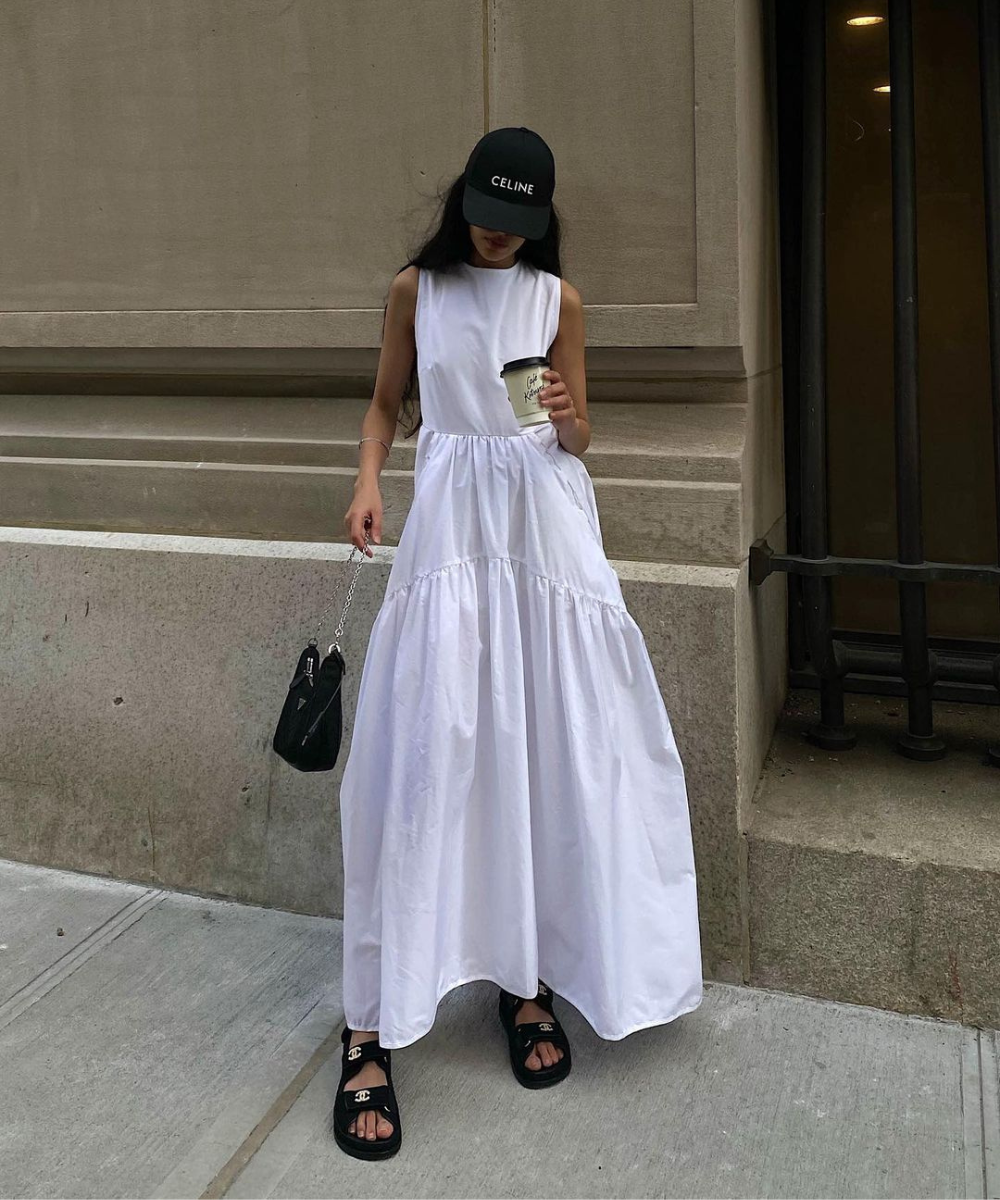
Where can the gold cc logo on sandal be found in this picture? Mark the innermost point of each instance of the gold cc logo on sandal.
(546, 1026)
(362, 1095)
(354, 1052)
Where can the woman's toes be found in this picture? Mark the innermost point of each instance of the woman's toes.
(533, 1062)
(383, 1127)
(371, 1125)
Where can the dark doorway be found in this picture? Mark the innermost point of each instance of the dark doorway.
(882, 605)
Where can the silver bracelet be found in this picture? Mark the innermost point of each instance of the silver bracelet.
(375, 439)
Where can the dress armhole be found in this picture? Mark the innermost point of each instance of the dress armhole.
(416, 303)
(555, 307)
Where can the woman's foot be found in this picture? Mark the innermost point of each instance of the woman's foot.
(370, 1123)
(544, 1054)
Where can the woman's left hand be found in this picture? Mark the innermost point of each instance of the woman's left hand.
(557, 399)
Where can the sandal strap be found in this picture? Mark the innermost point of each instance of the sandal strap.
(372, 1051)
(366, 1098)
(531, 1032)
(544, 997)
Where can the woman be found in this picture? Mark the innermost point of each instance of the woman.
(513, 803)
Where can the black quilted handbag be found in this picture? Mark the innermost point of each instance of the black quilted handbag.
(311, 724)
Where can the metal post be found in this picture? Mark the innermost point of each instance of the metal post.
(989, 85)
(919, 740)
(830, 733)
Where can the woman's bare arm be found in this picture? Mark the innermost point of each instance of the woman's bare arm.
(394, 367)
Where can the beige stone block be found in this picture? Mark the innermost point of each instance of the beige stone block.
(874, 878)
(687, 615)
(171, 657)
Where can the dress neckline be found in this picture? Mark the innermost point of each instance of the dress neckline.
(492, 270)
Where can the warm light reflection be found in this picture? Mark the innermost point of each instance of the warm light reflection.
(883, 88)
(865, 20)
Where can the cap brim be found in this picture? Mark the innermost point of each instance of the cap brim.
(522, 220)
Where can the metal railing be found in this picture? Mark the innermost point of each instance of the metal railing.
(925, 669)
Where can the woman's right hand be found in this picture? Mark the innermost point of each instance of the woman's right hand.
(366, 509)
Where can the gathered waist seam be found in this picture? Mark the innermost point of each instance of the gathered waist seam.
(448, 433)
(458, 562)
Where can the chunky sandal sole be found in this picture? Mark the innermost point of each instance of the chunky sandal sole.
(350, 1104)
(522, 1038)
(363, 1148)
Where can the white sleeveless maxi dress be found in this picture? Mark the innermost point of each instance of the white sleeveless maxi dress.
(513, 805)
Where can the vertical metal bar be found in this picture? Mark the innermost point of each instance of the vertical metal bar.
(989, 83)
(812, 342)
(816, 591)
(787, 43)
(919, 740)
(989, 94)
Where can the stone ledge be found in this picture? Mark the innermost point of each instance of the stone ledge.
(172, 656)
(667, 477)
(694, 441)
(875, 879)
(634, 366)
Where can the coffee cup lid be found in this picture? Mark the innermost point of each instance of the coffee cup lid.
(524, 362)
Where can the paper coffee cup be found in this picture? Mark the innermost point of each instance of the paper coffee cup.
(524, 380)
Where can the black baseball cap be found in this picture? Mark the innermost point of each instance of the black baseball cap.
(509, 181)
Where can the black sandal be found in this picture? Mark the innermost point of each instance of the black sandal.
(349, 1105)
(522, 1038)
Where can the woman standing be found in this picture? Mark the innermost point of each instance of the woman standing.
(513, 803)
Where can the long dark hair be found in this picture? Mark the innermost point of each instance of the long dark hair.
(450, 244)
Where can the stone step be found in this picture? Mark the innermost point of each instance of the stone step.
(666, 477)
(646, 520)
(699, 442)
(873, 878)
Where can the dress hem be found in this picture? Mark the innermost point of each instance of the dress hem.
(558, 992)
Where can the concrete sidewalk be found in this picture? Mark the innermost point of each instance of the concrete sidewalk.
(159, 1044)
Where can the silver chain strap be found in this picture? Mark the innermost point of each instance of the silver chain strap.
(350, 594)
